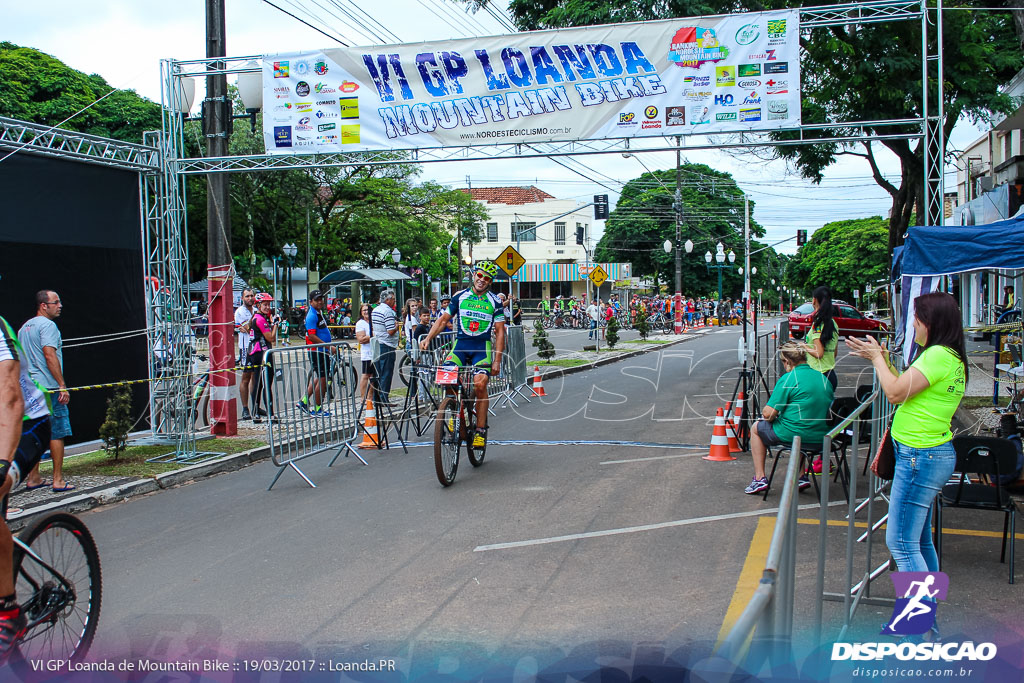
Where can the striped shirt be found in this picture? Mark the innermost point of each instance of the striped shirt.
(384, 320)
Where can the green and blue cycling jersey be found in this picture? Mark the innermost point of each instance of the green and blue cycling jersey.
(475, 316)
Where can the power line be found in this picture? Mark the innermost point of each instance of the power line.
(315, 28)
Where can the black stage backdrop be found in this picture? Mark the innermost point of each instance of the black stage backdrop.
(75, 228)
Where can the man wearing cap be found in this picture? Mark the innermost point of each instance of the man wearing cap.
(317, 332)
(477, 313)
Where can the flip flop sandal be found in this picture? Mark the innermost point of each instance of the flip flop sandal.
(66, 487)
(42, 484)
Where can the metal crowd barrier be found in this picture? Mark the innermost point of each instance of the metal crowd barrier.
(768, 365)
(296, 429)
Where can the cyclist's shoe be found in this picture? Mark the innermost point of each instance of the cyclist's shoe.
(804, 482)
(12, 629)
(320, 412)
(756, 485)
(245, 414)
(303, 407)
(480, 438)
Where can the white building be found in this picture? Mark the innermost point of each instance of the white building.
(543, 229)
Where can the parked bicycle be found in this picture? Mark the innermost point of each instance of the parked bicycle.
(455, 422)
(341, 378)
(58, 580)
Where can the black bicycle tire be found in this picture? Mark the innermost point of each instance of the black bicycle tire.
(440, 428)
(475, 456)
(80, 533)
(405, 363)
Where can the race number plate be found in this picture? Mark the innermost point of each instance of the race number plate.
(447, 376)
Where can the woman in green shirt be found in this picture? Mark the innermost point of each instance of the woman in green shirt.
(928, 394)
(823, 336)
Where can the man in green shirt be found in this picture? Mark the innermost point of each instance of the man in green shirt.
(799, 405)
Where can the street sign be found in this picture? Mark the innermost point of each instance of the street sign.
(510, 260)
(598, 276)
(856, 294)
(585, 270)
(759, 290)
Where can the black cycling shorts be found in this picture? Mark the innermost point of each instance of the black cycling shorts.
(320, 362)
(35, 440)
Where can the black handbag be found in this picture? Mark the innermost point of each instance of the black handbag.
(886, 456)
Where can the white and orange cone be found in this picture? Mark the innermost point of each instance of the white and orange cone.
(538, 382)
(370, 426)
(719, 451)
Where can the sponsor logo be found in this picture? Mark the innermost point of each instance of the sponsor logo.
(301, 68)
(303, 137)
(946, 652)
(752, 98)
(626, 119)
(778, 106)
(303, 106)
(766, 56)
(747, 34)
(282, 91)
(302, 88)
(749, 83)
(327, 139)
(350, 135)
(303, 126)
(304, 120)
(675, 116)
(281, 70)
(320, 68)
(651, 112)
(326, 126)
(321, 114)
(776, 27)
(731, 116)
(284, 107)
(693, 46)
(774, 87)
(747, 70)
(750, 114)
(326, 103)
(725, 76)
(349, 86)
(349, 107)
(696, 95)
(282, 119)
(323, 89)
(282, 136)
(698, 81)
(780, 68)
(650, 124)
(700, 116)
(724, 101)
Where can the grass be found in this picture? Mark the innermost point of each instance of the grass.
(969, 402)
(647, 341)
(566, 362)
(132, 463)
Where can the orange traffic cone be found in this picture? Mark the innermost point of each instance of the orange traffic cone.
(730, 429)
(538, 382)
(719, 451)
(370, 426)
(737, 413)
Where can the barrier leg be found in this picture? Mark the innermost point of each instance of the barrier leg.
(351, 450)
(295, 467)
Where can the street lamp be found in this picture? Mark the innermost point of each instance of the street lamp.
(396, 255)
(290, 250)
(667, 246)
(720, 258)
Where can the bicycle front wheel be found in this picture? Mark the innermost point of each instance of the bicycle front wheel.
(60, 597)
(447, 441)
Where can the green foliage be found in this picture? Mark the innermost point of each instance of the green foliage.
(114, 430)
(41, 89)
(611, 333)
(641, 325)
(545, 349)
(844, 255)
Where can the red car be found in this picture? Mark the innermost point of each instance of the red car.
(851, 322)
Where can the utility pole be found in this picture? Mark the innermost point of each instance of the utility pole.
(677, 300)
(220, 271)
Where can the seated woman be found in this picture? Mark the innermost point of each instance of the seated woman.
(798, 405)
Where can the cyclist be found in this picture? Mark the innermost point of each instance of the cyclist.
(476, 312)
(24, 437)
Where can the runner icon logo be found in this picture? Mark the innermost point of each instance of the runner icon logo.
(914, 612)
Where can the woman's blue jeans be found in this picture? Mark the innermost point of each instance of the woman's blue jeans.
(920, 475)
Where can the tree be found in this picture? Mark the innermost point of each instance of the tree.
(611, 333)
(844, 255)
(545, 349)
(858, 72)
(41, 89)
(641, 325)
(644, 218)
(114, 430)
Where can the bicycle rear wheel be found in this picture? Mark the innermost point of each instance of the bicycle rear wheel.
(61, 599)
(446, 441)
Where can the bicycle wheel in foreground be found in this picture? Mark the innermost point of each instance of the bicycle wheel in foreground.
(446, 441)
(61, 597)
(476, 455)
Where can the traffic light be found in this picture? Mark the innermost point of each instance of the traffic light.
(579, 234)
(600, 207)
(801, 238)
(510, 262)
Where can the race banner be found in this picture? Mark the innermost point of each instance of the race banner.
(675, 77)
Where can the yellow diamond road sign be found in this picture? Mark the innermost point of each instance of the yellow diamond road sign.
(598, 276)
(510, 260)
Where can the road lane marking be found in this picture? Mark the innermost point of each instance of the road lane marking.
(750, 575)
(524, 442)
(642, 527)
(656, 457)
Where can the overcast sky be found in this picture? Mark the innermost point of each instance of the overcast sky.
(123, 40)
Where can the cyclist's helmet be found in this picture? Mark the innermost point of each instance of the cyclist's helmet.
(488, 267)
(263, 296)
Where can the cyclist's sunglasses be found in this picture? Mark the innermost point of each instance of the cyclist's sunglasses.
(483, 276)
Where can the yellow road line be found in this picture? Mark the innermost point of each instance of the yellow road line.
(955, 532)
(750, 575)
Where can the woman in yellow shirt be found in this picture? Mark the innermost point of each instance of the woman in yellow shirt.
(823, 336)
(928, 394)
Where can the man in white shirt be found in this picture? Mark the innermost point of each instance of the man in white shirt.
(594, 314)
(243, 316)
(385, 329)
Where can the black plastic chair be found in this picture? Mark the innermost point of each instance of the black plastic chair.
(988, 458)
